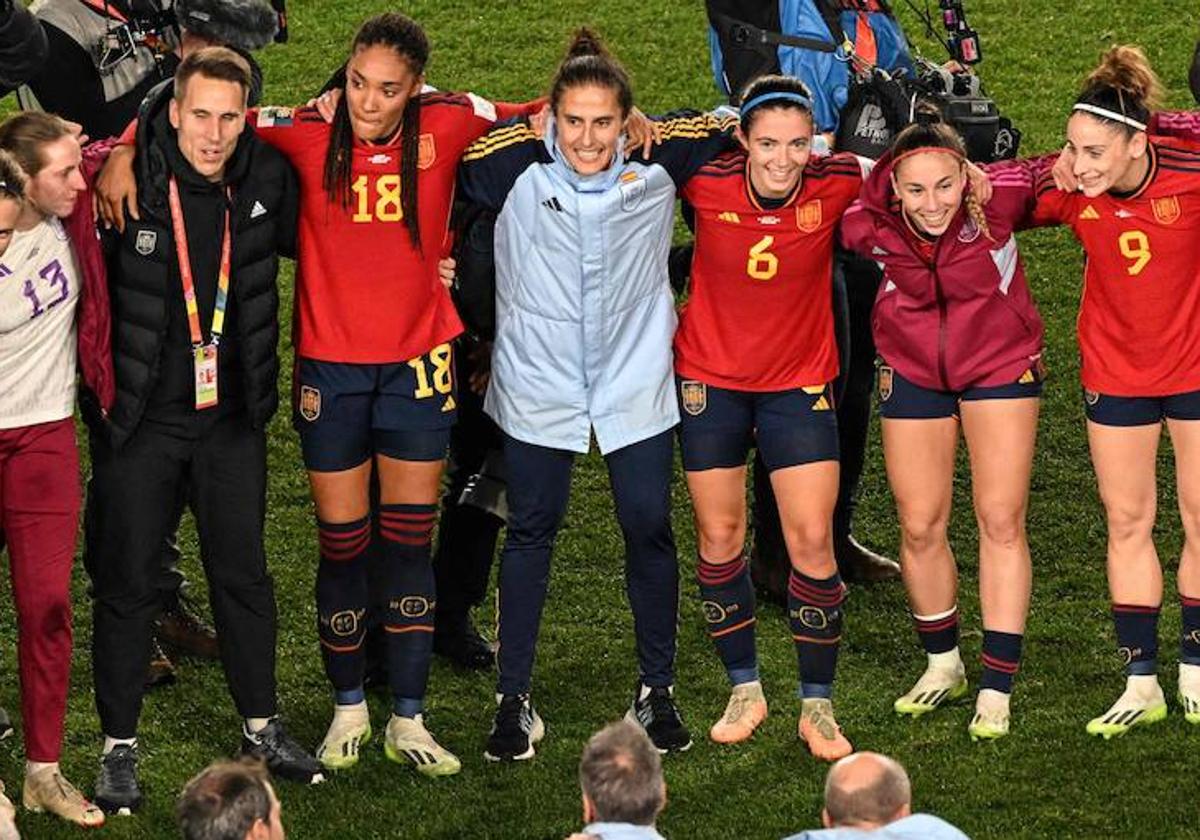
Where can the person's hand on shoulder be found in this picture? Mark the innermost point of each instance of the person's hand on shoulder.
(641, 132)
(981, 185)
(116, 189)
(1063, 172)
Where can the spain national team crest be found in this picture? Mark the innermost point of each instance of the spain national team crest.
(310, 403)
(1166, 210)
(426, 151)
(632, 191)
(885, 382)
(145, 241)
(694, 396)
(808, 215)
(1091, 397)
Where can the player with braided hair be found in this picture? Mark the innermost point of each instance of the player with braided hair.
(961, 344)
(1135, 208)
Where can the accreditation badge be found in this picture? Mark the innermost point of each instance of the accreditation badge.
(205, 362)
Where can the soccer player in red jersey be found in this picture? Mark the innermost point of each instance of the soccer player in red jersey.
(754, 360)
(374, 383)
(960, 342)
(1137, 214)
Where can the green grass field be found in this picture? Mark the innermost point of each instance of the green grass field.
(1047, 779)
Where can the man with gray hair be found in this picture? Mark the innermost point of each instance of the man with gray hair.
(868, 794)
(621, 777)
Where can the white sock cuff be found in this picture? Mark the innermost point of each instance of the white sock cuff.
(937, 616)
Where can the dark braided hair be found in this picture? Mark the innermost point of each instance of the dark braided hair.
(1124, 84)
(407, 38)
(588, 63)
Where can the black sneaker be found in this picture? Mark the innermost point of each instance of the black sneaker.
(655, 711)
(515, 730)
(117, 790)
(283, 756)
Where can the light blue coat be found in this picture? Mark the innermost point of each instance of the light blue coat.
(584, 311)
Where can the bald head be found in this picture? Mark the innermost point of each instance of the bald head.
(866, 790)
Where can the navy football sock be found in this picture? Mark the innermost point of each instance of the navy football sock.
(342, 601)
(938, 633)
(406, 531)
(1001, 658)
(727, 594)
(1137, 637)
(1189, 638)
(815, 616)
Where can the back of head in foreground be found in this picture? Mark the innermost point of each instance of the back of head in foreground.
(230, 800)
(621, 777)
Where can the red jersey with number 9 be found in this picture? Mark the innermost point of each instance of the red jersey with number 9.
(364, 294)
(1139, 319)
(759, 316)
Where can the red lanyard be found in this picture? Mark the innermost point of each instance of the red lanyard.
(185, 271)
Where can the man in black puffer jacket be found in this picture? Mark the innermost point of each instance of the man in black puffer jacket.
(196, 385)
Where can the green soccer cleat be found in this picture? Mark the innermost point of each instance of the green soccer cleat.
(340, 747)
(935, 688)
(1136, 707)
(407, 741)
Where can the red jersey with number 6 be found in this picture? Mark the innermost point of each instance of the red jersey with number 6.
(364, 294)
(759, 316)
(1139, 319)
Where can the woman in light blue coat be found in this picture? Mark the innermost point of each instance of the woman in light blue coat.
(584, 322)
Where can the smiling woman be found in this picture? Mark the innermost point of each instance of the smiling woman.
(584, 319)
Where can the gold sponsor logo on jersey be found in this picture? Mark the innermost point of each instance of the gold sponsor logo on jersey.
(885, 382)
(309, 403)
(1166, 210)
(808, 215)
(426, 151)
(729, 216)
(694, 396)
(1089, 213)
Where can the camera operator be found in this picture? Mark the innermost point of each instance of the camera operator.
(104, 56)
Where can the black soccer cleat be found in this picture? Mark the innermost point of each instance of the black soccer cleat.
(516, 728)
(284, 757)
(654, 710)
(117, 789)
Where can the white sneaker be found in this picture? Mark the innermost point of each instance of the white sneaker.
(348, 731)
(1141, 704)
(407, 740)
(944, 680)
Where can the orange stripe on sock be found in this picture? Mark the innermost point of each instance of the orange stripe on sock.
(732, 629)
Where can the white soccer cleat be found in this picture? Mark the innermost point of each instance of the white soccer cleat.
(1189, 692)
(936, 687)
(991, 720)
(1141, 704)
(408, 741)
(349, 730)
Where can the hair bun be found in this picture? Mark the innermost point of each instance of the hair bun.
(585, 42)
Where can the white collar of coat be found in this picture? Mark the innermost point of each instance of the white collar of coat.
(601, 181)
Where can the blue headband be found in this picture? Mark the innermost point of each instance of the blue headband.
(799, 98)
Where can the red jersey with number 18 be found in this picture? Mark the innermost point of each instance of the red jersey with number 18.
(759, 315)
(364, 294)
(1139, 320)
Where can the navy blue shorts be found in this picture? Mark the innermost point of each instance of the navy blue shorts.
(1108, 410)
(347, 413)
(719, 426)
(900, 399)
